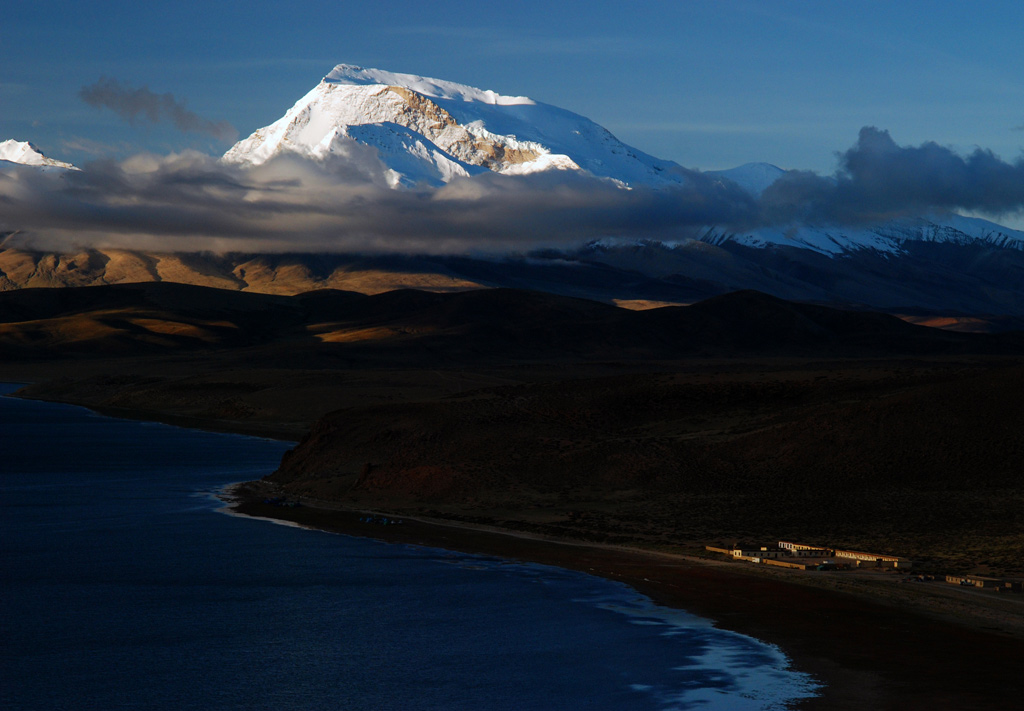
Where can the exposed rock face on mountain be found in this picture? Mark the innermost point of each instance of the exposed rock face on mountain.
(432, 131)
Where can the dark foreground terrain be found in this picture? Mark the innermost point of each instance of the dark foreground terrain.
(741, 418)
(923, 461)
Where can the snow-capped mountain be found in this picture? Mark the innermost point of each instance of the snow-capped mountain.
(413, 130)
(835, 239)
(752, 177)
(429, 130)
(888, 237)
(25, 153)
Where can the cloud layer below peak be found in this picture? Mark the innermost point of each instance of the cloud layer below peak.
(191, 201)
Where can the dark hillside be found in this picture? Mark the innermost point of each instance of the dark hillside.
(889, 458)
(470, 326)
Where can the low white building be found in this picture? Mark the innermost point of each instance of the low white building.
(879, 560)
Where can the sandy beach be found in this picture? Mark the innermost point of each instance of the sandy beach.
(868, 655)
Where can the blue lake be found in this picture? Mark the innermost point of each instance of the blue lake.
(124, 586)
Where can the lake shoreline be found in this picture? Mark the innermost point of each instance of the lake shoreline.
(864, 653)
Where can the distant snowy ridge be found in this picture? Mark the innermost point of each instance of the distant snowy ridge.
(450, 130)
(752, 177)
(24, 153)
(889, 236)
(834, 239)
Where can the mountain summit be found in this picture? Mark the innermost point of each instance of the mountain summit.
(25, 153)
(405, 130)
(432, 131)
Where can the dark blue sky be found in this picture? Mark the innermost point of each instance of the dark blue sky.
(707, 84)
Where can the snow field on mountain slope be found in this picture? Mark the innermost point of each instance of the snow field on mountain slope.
(351, 96)
(25, 153)
(435, 88)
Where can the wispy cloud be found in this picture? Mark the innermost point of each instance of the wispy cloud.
(133, 104)
(94, 148)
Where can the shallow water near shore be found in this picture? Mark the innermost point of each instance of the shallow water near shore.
(123, 587)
